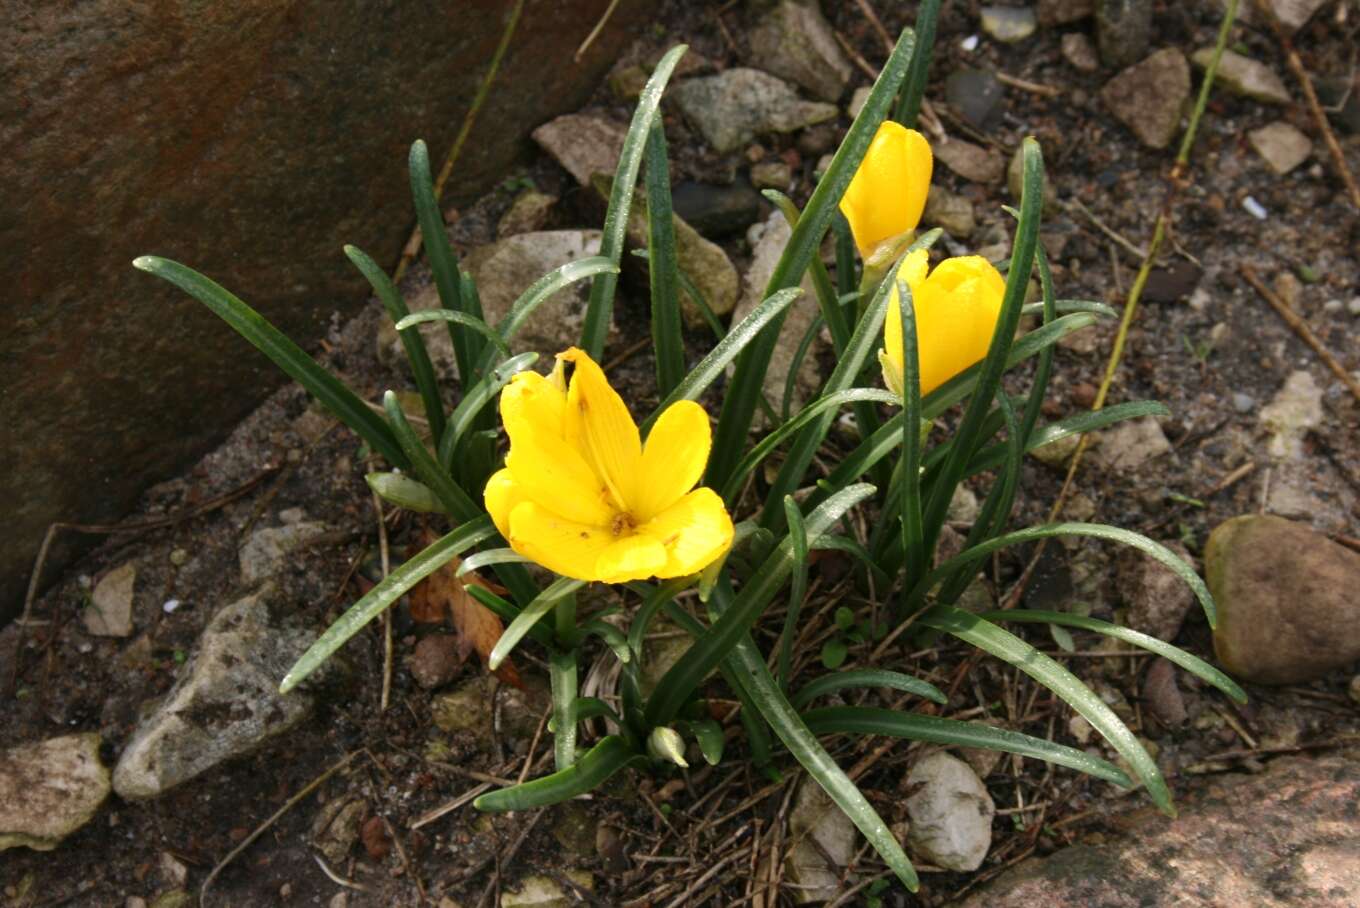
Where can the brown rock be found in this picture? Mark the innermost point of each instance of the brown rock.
(436, 660)
(1061, 12)
(528, 212)
(1148, 96)
(584, 143)
(972, 162)
(1282, 839)
(1080, 52)
(1157, 599)
(1287, 605)
(1162, 694)
(250, 140)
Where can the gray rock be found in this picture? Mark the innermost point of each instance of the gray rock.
(1163, 695)
(824, 841)
(794, 42)
(1280, 839)
(952, 212)
(1015, 181)
(1063, 12)
(1281, 145)
(110, 611)
(714, 210)
(225, 703)
(1243, 403)
(50, 789)
(1294, 14)
(584, 143)
(1123, 30)
(1149, 97)
(768, 247)
(1291, 414)
(963, 506)
(1288, 612)
(974, 94)
(1245, 76)
(772, 175)
(268, 548)
(1008, 24)
(733, 107)
(858, 100)
(1157, 599)
(1080, 52)
(950, 812)
(1056, 454)
(1128, 445)
(546, 892)
(972, 162)
(528, 212)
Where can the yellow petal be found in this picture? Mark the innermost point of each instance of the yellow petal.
(886, 196)
(566, 547)
(532, 400)
(633, 557)
(610, 437)
(673, 459)
(695, 531)
(913, 271)
(553, 474)
(956, 311)
(501, 495)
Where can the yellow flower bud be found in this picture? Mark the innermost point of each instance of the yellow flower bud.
(956, 307)
(888, 193)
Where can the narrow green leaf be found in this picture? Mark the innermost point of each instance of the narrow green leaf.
(833, 313)
(796, 367)
(1093, 530)
(690, 669)
(388, 591)
(868, 720)
(450, 494)
(562, 680)
(611, 635)
(600, 307)
(709, 734)
(866, 677)
(288, 356)
(1044, 369)
(530, 616)
(798, 536)
(990, 458)
(668, 344)
(1193, 664)
(542, 290)
(651, 604)
(475, 400)
(712, 365)
(1010, 648)
(490, 557)
(587, 708)
(913, 528)
(739, 405)
(404, 492)
(421, 367)
(1066, 307)
(462, 318)
(586, 774)
(506, 611)
(909, 101)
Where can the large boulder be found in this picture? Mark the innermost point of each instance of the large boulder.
(249, 140)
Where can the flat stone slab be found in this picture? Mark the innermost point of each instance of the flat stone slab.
(49, 790)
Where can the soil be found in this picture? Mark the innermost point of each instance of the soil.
(649, 839)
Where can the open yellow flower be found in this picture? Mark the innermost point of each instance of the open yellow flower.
(886, 196)
(956, 307)
(581, 495)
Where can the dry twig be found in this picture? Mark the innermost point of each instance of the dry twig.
(1302, 330)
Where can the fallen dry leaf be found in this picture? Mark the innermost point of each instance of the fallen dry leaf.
(444, 593)
(374, 836)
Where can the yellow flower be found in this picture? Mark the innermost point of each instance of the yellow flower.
(956, 306)
(885, 198)
(581, 495)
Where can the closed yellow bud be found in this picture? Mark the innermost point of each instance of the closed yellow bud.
(957, 306)
(888, 193)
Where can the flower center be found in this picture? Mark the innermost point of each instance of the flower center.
(622, 523)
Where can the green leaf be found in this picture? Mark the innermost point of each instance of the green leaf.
(542, 290)
(740, 403)
(798, 536)
(562, 680)
(461, 318)
(967, 436)
(404, 492)
(587, 708)
(909, 102)
(668, 344)
(475, 400)
(1193, 664)
(710, 736)
(910, 515)
(490, 557)
(392, 588)
(421, 367)
(443, 263)
(506, 611)
(690, 669)
(796, 366)
(833, 313)
(994, 456)
(712, 365)
(530, 616)
(1010, 648)
(868, 720)
(612, 636)
(601, 304)
(450, 494)
(1068, 306)
(866, 677)
(587, 773)
(834, 652)
(288, 356)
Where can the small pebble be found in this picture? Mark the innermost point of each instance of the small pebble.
(970, 43)
(170, 606)
(1243, 403)
(179, 557)
(1333, 306)
(1255, 208)
(1353, 307)
(1355, 689)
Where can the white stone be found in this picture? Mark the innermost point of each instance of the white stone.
(268, 548)
(1245, 76)
(824, 842)
(584, 143)
(49, 790)
(545, 892)
(950, 812)
(1128, 445)
(733, 107)
(795, 42)
(1294, 410)
(1281, 145)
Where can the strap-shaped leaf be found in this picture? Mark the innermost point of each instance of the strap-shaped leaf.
(474, 400)
(461, 318)
(909, 101)
(1010, 648)
(991, 457)
(542, 290)
(1193, 664)
(668, 344)
(530, 616)
(869, 720)
(450, 494)
(288, 356)
(797, 589)
(909, 476)
(489, 558)
(392, 588)
(865, 677)
(600, 307)
(587, 773)
(506, 611)
(562, 680)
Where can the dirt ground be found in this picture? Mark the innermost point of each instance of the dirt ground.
(697, 838)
